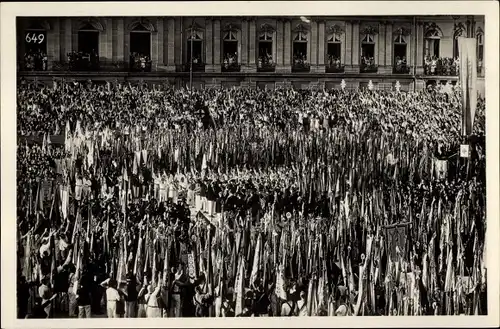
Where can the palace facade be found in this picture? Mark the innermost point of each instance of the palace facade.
(258, 52)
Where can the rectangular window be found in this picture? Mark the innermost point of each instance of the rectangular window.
(88, 42)
(334, 50)
(197, 51)
(140, 42)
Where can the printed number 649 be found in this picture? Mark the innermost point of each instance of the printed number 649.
(34, 38)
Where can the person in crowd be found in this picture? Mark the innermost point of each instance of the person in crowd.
(113, 297)
(83, 299)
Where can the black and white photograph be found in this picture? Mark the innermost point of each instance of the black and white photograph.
(231, 165)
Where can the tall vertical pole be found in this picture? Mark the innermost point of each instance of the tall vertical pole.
(191, 59)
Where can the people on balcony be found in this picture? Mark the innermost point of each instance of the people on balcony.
(441, 66)
(140, 62)
(230, 61)
(83, 60)
(265, 61)
(300, 60)
(35, 60)
(401, 65)
(334, 61)
(368, 63)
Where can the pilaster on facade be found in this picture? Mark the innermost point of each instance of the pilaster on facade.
(209, 46)
(355, 44)
(53, 48)
(287, 51)
(386, 50)
(279, 45)
(120, 41)
(348, 44)
(67, 47)
(420, 48)
(252, 46)
(314, 44)
(244, 40)
(321, 44)
(216, 67)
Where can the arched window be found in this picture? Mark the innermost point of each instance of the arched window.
(230, 46)
(140, 45)
(87, 57)
(195, 47)
(368, 49)
(432, 37)
(459, 31)
(400, 51)
(265, 61)
(334, 48)
(300, 62)
(88, 37)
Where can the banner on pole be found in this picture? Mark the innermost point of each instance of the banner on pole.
(396, 239)
(468, 82)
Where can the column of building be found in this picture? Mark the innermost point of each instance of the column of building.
(157, 45)
(287, 51)
(321, 46)
(67, 45)
(53, 44)
(388, 46)
(348, 48)
(252, 47)
(314, 46)
(419, 37)
(279, 46)
(105, 43)
(217, 45)
(244, 42)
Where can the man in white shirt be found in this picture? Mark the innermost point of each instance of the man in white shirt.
(112, 297)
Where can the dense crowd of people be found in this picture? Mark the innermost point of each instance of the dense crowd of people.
(165, 203)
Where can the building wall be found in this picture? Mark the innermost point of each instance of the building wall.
(169, 43)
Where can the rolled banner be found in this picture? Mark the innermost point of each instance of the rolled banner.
(78, 189)
(198, 202)
(211, 207)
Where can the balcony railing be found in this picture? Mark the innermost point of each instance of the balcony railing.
(233, 67)
(300, 66)
(445, 66)
(401, 69)
(78, 61)
(139, 63)
(197, 67)
(368, 68)
(335, 68)
(266, 67)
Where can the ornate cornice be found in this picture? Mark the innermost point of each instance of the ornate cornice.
(194, 27)
(94, 22)
(142, 22)
(431, 26)
(335, 29)
(231, 27)
(369, 30)
(459, 29)
(266, 28)
(402, 31)
(300, 28)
